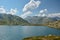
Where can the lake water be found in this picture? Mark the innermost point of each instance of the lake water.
(20, 32)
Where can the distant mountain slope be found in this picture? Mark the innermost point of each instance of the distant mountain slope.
(12, 20)
(39, 20)
(55, 24)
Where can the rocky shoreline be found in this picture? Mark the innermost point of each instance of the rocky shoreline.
(49, 37)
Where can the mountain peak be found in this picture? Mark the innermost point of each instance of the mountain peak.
(9, 19)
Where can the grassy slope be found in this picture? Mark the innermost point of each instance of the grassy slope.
(43, 38)
(55, 24)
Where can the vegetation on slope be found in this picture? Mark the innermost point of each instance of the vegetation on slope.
(49, 37)
(8, 19)
(55, 24)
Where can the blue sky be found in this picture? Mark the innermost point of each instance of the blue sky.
(52, 6)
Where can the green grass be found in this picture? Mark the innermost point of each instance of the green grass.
(43, 38)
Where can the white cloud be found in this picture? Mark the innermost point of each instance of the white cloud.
(12, 11)
(2, 10)
(28, 7)
(26, 14)
(31, 5)
(53, 15)
(42, 13)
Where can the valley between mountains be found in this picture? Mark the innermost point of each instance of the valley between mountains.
(8, 19)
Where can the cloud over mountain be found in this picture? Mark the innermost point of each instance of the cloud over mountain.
(53, 15)
(31, 5)
(42, 13)
(2, 9)
(25, 14)
(11, 11)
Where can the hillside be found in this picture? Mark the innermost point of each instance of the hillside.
(49, 37)
(8, 19)
(55, 24)
(39, 20)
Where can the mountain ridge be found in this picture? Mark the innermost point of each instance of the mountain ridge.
(9, 19)
(39, 20)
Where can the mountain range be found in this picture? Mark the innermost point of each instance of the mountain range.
(53, 22)
(41, 20)
(8, 19)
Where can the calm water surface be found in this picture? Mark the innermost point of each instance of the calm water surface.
(20, 32)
